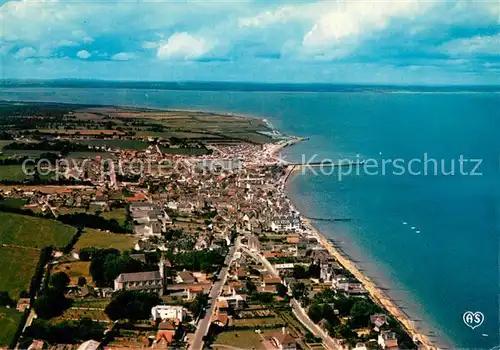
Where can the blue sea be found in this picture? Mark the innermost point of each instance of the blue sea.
(432, 240)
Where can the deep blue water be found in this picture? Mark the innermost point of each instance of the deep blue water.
(452, 265)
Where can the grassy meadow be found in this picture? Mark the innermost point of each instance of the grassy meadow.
(18, 266)
(33, 232)
(9, 319)
(100, 239)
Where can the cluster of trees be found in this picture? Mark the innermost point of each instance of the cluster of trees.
(63, 147)
(93, 221)
(13, 117)
(5, 299)
(79, 220)
(199, 260)
(36, 280)
(66, 332)
(131, 305)
(300, 272)
(107, 264)
(358, 312)
(197, 307)
(52, 302)
(4, 135)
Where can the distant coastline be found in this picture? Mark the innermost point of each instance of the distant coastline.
(246, 86)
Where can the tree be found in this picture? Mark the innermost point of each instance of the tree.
(82, 281)
(314, 271)
(251, 287)
(131, 305)
(5, 299)
(198, 304)
(299, 272)
(344, 305)
(360, 313)
(298, 290)
(329, 315)
(343, 330)
(281, 290)
(85, 254)
(60, 280)
(107, 264)
(315, 313)
(51, 303)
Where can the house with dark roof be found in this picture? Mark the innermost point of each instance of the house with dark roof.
(149, 281)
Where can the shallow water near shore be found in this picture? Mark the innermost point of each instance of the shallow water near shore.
(448, 268)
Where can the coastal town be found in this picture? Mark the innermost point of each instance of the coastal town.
(172, 242)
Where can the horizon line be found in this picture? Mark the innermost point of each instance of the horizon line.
(6, 81)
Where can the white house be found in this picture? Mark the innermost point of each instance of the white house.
(387, 340)
(285, 224)
(168, 312)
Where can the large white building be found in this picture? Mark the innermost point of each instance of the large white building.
(285, 224)
(168, 312)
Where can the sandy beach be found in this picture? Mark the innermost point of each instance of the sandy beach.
(375, 291)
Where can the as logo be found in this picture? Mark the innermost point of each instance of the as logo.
(473, 319)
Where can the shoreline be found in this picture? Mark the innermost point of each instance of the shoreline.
(375, 292)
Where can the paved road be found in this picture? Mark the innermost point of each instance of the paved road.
(204, 323)
(299, 312)
(302, 316)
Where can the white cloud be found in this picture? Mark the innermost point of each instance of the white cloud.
(183, 46)
(123, 56)
(350, 20)
(151, 45)
(268, 17)
(478, 45)
(83, 54)
(66, 43)
(25, 52)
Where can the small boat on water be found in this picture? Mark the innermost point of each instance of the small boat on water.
(405, 223)
(413, 227)
(418, 231)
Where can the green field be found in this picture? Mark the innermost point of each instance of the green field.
(4, 142)
(12, 202)
(246, 339)
(34, 232)
(12, 173)
(9, 320)
(33, 153)
(258, 321)
(16, 173)
(101, 239)
(18, 266)
(119, 215)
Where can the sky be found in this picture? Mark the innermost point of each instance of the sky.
(335, 41)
